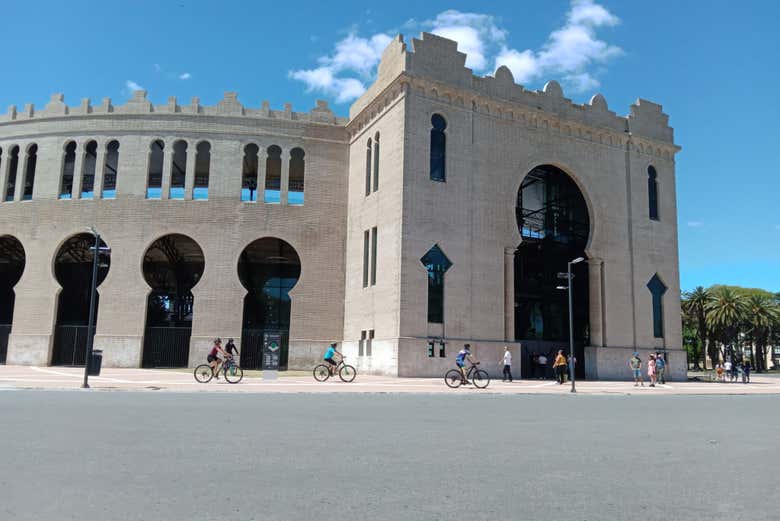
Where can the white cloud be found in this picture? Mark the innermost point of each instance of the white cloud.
(185, 76)
(476, 34)
(131, 86)
(695, 224)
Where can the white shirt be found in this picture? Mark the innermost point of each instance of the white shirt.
(542, 360)
(727, 366)
(507, 358)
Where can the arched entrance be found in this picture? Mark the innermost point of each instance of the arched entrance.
(553, 220)
(268, 268)
(73, 271)
(172, 266)
(12, 261)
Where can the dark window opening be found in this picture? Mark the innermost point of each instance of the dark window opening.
(366, 251)
(12, 261)
(273, 175)
(178, 169)
(652, 192)
(362, 343)
(295, 184)
(10, 184)
(374, 238)
(200, 190)
(29, 175)
(370, 342)
(68, 171)
(249, 172)
(438, 149)
(88, 171)
(376, 162)
(368, 167)
(436, 264)
(154, 179)
(657, 289)
(110, 168)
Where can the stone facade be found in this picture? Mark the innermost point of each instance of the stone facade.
(497, 132)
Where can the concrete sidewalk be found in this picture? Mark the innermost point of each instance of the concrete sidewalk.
(30, 377)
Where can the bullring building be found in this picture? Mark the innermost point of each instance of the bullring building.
(440, 212)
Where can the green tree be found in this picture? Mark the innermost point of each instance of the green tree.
(763, 316)
(694, 306)
(726, 311)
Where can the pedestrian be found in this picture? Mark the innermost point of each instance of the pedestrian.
(726, 369)
(559, 367)
(542, 363)
(660, 368)
(651, 370)
(635, 364)
(507, 365)
(735, 370)
(746, 372)
(719, 373)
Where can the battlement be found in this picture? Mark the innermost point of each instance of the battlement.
(140, 104)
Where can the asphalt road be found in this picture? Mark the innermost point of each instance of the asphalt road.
(178, 456)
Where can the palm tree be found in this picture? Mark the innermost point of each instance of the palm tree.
(726, 312)
(695, 307)
(763, 315)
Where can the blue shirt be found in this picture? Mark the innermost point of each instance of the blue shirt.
(329, 353)
(462, 356)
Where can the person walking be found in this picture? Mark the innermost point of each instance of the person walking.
(635, 364)
(651, 370)
(726, 369)
(559, 367)
(746, 372)
(507, 365)
(735, 369)
(542, 363)
(660, 368)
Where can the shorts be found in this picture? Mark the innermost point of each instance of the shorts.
(460, 364)
(212, 358)
(637, 373)
(330, 361)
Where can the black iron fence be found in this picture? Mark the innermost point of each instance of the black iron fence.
(252, 348)
(70, 345)
(5, 331)
(166, 346)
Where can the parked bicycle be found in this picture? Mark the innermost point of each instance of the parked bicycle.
(346, 372)
(454, 378)
(230, 370)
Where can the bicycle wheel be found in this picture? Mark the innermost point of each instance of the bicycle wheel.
(347, 373)
(453, 379)
(480, 379)
(321, 373)
(203, 373)
(234, 374)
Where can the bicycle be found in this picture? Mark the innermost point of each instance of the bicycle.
(454, 378)
(230, 370)
(346, 372)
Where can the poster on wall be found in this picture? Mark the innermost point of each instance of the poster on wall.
(272, 348)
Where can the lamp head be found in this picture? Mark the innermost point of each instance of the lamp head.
(578, 260)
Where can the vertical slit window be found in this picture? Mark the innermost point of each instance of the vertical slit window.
(29, 172)
(178, 169)
(376, 162)
(370, 342)
(295, 185)
(368, 167)
(362, 343)
(273, 175)
(200, 190)
(657, 289)
(373, 255)
(110, 170)
(438, 148)
(436, 264)
(249, 173)
(365, 258)
(154, 179)
(88, 171)
(68, 167)
(652, 192)
(10, 184)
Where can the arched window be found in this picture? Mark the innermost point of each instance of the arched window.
(273, 175)
(88, 171)
(295, 185)
(438, 148)
(657, 289)
(154, 180)
(178, 169)
(376, 162)
(110, 170)
(68, 166)
(29, 172)
(10, 184)
(249, 173)
(368, 167)
(652, 192)
(202, 168)
(436, 264)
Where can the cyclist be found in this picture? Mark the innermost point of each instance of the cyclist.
(460, 360)
(329, 354)
(213, 357)
(231, 349)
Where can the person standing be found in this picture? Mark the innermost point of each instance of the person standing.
(660, 368)
(507, 365)
(727, 369)
(746, 372)
(651, 370)
(635, 363)
(542, 362)
(559, 367)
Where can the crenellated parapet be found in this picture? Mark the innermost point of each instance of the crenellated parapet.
(139, 104)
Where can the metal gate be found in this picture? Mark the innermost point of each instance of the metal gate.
(5, 331)
(70, 345)
(252, 348)
(166, 346)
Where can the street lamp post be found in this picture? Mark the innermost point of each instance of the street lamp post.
(570, 288)
(93, 286)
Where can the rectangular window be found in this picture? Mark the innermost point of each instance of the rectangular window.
(442, 350)
(368, 168)
(373, 255)
(431, 349)
(362, 343)
(365, 258)
(369, 342)
(376, 163)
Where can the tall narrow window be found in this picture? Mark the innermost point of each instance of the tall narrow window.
(154, 180)
(200, 190)
(376, 162)
(657, 289)
(438, 148)
(273, 175)
(88, 171)
(368, 167)
(29, 172)
(10, 184)
(295, 186)
(362, 343)
(436, 264)
(110, 168)
(178, 169)
(249, 173)
(366, 250)
(68, 169)
(373, 255)
(652, 192)
(369, 342)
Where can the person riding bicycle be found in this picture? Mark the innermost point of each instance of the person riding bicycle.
(231, 349)
(213, 357)
(329, 354)
(460, 360)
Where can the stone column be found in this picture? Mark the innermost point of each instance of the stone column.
(509, 294)
(21, 172)
(189, 174)
(262, 156)
(78, 166)
(5, 167)
(597, 316)
(167, 167)
(285, 177)
(100, 166)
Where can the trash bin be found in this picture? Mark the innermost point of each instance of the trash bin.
(95, 361)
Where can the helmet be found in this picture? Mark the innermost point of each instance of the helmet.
(217, 340)
(333, 344)
(230, 340)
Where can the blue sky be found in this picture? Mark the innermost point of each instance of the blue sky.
(715, 67)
